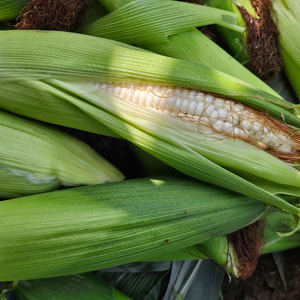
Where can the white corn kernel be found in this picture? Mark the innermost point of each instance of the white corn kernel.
(184, 106)
(227, 127)
(156, 101)
(123, 93)
(208, 110)
(213, 118)
(246, 125)
(171, 102)
(149, 101)
(191, 108)
(199, 97)
(222, 114)
(177, 104)
(136, 96)
(218, 126)
(208, 99)
(219, 103)
(199, 109)
(129, 95)
(163, 104)
(191, 95)
(143, 97)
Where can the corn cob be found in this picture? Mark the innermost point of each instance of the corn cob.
(222, 116)
(109, 59)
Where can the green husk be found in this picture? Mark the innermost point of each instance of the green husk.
(89, 228)
(280, 222)
(38, 100)
(236, 42)
(286, 15)
(76, 287)
(10, 9)
(217, 248)
(190, 45)
(35, 158)
(131, 15)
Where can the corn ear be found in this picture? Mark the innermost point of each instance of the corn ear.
(89, 228)
(105, 60)
(162, 135)
(75, 287)
(113, 61)
(10, 9)
(190, 45)
(35, 158)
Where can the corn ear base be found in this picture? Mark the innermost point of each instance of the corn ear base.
(75, 287)
(35, 158)
(218, 249)
(88, 228)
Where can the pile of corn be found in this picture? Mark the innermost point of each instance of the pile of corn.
(233, 144)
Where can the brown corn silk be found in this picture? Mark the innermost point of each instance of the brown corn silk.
(274, 127)
(61, 15)
(248, 245)
(264, 58)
